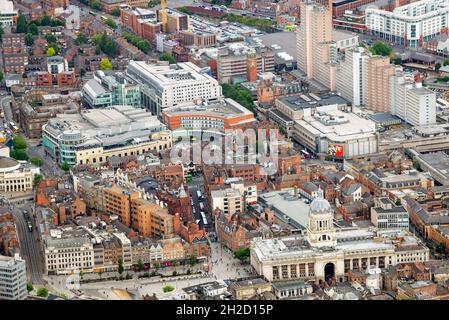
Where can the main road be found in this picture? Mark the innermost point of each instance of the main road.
(29, 245)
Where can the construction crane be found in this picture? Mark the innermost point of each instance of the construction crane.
(163, 16)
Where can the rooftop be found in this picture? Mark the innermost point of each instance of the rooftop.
(287, 206)
(223, 108)
(306, 101)
(337, 125)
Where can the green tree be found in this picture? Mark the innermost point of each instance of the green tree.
(168, 288)
(1, 31)
(45, 21)
(111, 23)
(81, 39)
(397, 60)
(42, 292)
(437, 66)
(19, 154)
(242, 254)
(32, 28)
(398, 202)
(50, 38)
(37, 179)
(164, 56)
(115, 12)
(105, 44)
(446, 62)
(29, 39)
(381, 48)
(140, 265)
(21, 24)
(19, 143)
(55, 47)
(51, 51)
(240, 95)
(65, 166)
(1, 76)
(96, 5)
(153, 3)
(105, 64)
(120, 267)
(192, 260)
(30, 287)
(57, 22)
(175, 273)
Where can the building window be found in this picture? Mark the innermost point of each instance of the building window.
(275, 273)
(293, 273)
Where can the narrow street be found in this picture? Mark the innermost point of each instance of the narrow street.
(29, 245)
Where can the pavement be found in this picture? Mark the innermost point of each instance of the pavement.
(223, 266)
(6, 108)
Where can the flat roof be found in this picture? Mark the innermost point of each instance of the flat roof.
(286, 203)
(223, 107)
(306, 101)
(439, 161)
(352, 127)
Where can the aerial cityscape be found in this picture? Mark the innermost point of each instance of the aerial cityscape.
(226, 150)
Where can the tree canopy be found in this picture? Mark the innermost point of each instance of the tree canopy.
(42, 292)
(65, 166)
(381, 48)
(168, 288)
(105, 64)
(21, 24)
(105, 44)
(164, 56)
(19, 143)
(51, 51)
(238, 94)
(242, 254)
(81, 39)
(111, 23)
(141, 44)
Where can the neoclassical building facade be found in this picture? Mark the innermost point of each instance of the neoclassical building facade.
(328, 254)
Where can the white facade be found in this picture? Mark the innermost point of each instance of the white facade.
(234, 198)
(57, 64)
(410, 24)
(7, 13)
(327, 126)
(15, 176)
(326, 254)
(13, 282)
(350, 79)
(411, 102)
(169, 85)
(64, 256)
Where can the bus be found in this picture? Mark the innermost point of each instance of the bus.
(92, 13)
(204, 218)
(198, 193)
(305, 154)
(13, 127)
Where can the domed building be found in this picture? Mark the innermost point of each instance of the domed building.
(16, 176)
(327, 252)
(320, 230)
